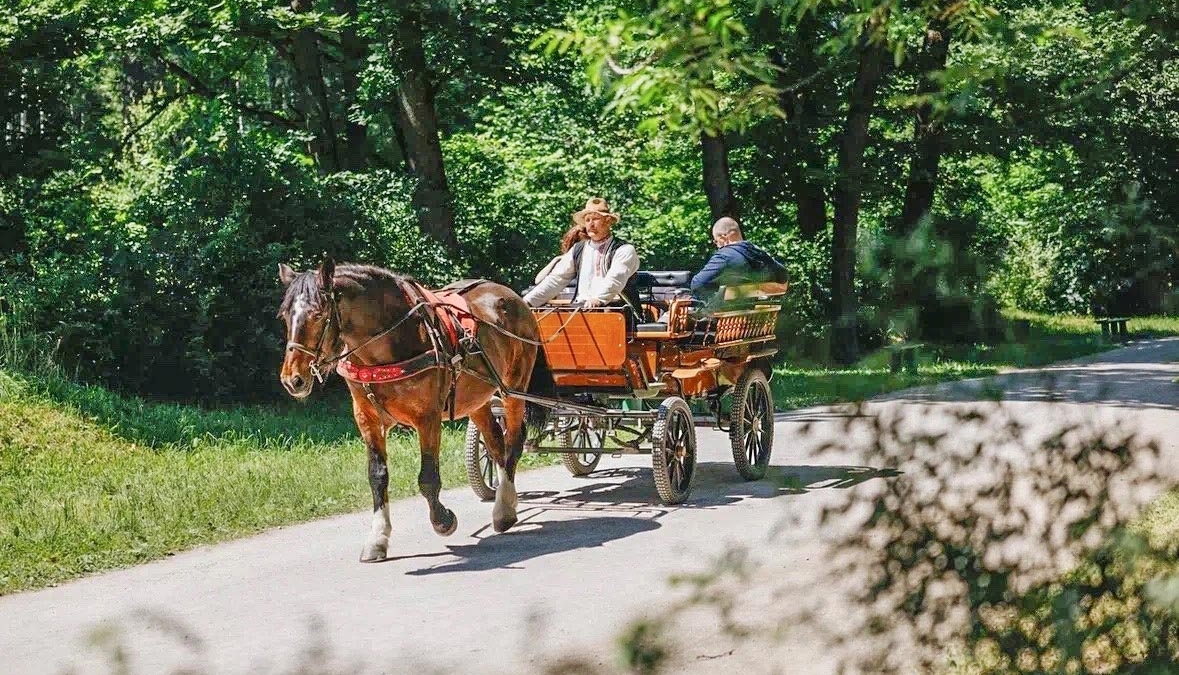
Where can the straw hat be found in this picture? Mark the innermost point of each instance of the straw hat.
(596, 205)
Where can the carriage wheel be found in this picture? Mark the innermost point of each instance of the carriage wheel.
(673, 452)
(481, 473)
(751, 424)
(584, 436)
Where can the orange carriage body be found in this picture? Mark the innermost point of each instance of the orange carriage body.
(590, 350)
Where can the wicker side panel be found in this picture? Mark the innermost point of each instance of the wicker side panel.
(752, 324)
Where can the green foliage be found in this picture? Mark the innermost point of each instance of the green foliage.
(684, 64)
(159, 160)
(535, 159)
(170, 288)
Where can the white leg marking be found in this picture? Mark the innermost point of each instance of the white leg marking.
(505, 499)
(377, 544)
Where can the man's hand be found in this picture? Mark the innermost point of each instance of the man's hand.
(592, 302)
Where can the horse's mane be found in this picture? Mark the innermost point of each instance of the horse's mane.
(348, 277)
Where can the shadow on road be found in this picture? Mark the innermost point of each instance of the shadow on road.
(716, 484)
(629, 491)
(535, 538)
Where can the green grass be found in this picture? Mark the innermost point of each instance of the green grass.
(1050, 339)
(92, 481)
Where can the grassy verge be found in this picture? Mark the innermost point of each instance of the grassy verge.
(92, 481)
(1050, 339)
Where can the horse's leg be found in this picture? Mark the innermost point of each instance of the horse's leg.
(373, 432)
(503, 516)
(429, 479)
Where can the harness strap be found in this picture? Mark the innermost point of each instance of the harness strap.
(386, 419)
(436, 325)
(391, 372)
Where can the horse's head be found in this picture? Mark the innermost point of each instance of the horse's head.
(312, 315)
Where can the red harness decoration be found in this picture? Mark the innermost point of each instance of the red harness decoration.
(391, 372)
(453, 313)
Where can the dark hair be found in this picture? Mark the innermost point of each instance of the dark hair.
(575, 234)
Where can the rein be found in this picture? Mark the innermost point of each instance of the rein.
(365, 375)
(539, 343)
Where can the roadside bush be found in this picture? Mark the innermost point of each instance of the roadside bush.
(173, 290)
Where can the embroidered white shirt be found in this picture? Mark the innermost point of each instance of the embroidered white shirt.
(594, 280)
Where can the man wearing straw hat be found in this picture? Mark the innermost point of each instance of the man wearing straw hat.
(603, 266)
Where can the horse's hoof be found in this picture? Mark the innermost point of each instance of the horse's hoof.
(505, 523)
(448, 525)
(374, 552)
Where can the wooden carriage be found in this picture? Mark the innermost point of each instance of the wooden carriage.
(631, 387)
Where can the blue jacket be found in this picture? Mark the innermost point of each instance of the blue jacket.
(736, 263)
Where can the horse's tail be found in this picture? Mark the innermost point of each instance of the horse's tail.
(536, 416)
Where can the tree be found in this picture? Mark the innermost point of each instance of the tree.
(861, 99)
(687, 68)
(417, 121)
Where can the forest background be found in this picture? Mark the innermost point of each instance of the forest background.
(920, 165)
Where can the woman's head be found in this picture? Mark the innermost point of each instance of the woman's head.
(575, 234)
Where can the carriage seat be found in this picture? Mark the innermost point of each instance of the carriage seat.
(661, 285)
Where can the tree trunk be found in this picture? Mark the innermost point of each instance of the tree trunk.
(927, 132)
(312, 94)
(418, 122)
(803, 162)
(801, 157)
(717, 185)
(848, 190)
(916, 292)
(809, 198)
(355, 152)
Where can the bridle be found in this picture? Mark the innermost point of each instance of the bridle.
(321, 365)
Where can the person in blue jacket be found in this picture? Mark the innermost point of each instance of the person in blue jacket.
(736, 261)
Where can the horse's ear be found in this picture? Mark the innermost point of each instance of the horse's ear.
(285, 274)
(327, 274)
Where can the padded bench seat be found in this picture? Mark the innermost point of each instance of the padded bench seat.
(661, 285)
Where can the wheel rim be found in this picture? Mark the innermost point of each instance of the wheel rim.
(676, 453)
(755, 419)
(756, 422)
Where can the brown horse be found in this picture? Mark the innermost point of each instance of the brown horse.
(375, 317)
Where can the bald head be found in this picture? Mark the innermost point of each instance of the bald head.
(726, 231)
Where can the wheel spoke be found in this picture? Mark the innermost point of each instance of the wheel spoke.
(488, 469)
